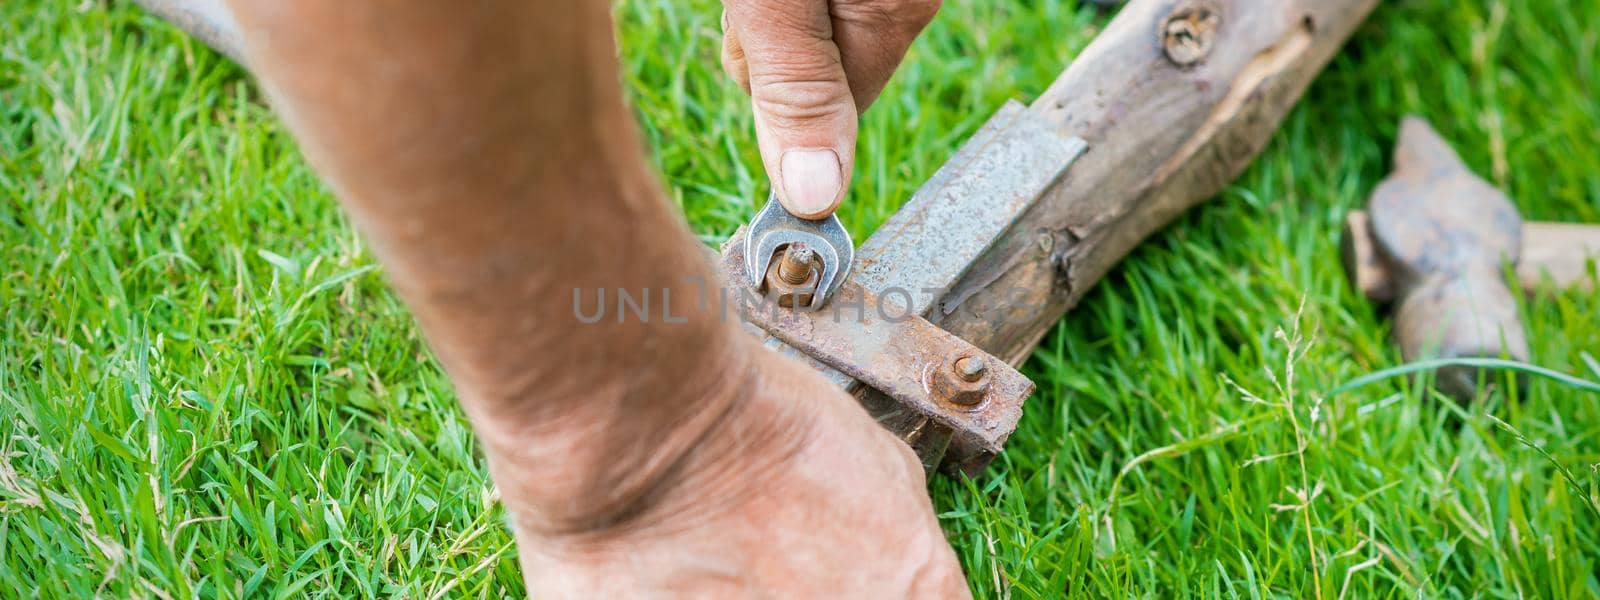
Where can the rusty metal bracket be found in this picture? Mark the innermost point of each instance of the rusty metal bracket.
(921, 252)
(878, 341)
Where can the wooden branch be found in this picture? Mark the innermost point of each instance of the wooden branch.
(1175, 98)
(1557, 254)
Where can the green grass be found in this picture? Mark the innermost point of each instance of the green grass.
(206, 388)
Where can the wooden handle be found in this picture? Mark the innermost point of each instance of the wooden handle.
(1560, 252)
(1552, 254)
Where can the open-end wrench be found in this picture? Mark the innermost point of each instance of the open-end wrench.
(774, 228)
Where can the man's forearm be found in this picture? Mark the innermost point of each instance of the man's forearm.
(485, 150)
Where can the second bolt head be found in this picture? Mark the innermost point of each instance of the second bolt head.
(963, 381)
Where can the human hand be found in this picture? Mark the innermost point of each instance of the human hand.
(810, 67)
(823, 503)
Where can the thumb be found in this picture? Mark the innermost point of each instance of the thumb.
(805, 114)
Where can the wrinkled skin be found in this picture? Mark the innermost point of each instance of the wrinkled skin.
(484, 150)
(843, 513)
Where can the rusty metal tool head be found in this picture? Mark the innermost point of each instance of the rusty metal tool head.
(774, 229)
(1435, 242)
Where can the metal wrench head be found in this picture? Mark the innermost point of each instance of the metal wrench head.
(774, 228)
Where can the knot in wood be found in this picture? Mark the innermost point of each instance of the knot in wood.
(1188, 33)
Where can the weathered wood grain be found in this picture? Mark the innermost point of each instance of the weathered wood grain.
(1175, 98)
(1163, 136)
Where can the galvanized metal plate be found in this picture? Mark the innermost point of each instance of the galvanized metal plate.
(962, 210)
(967, 205)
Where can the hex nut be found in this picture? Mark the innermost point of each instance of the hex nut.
(788, 295)
(951, 382)
(1188, 34)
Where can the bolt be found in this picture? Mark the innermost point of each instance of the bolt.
(963, 381)
(795, 265)
(1187, 34)
(792, 276)
(970, 368)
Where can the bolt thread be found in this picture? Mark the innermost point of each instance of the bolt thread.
(971, 368)
(795, 266)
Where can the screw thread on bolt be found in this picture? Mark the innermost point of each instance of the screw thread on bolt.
(970, 368)
(795, 266)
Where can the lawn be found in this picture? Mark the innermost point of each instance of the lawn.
(207, 389)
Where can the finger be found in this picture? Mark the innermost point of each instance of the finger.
(805, 114)
(733, 62)
(873, 36)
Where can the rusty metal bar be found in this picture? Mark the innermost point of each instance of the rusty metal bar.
(880, 342)
(929, 245)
